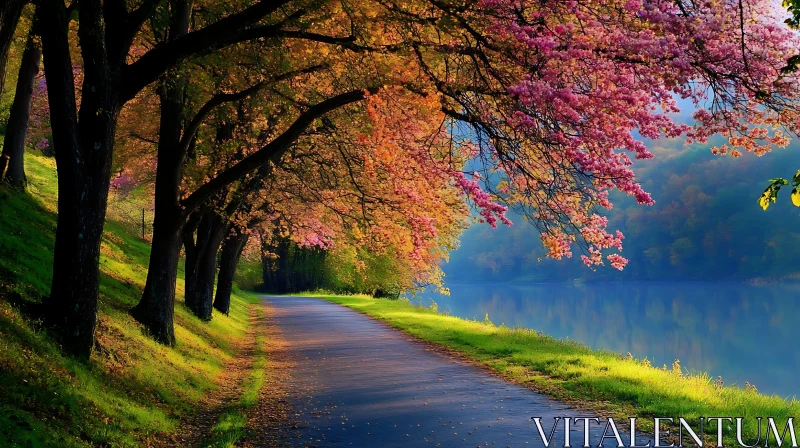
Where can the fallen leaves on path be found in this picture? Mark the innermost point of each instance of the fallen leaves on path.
(196, 426)
(268, 422)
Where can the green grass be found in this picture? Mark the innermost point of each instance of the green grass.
(231, 426)
(566, 370)
(132, 389)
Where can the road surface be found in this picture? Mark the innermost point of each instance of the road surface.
(358, 382)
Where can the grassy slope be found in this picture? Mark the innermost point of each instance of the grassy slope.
(132, 389)
(569, 371)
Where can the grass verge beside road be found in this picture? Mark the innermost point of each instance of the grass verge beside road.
(601, 381)
(232, 424)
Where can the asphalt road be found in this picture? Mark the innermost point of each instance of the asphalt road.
(358, 382)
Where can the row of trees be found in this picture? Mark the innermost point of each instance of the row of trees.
(288, 267)
(349, 123)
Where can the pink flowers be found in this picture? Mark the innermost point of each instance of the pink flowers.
(123, 183)
(617, 262)
(595, 74)
(490, 211)
(312, 232)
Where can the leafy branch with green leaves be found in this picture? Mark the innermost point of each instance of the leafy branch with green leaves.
(770, 195)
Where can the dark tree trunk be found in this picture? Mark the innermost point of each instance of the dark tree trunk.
(192, 236)
(17, 129)
(204, 286)
(156, 309)
(10, 11)
(83, 153)
(201, 261)
(229, 258)
(83, 142)
(207, 270)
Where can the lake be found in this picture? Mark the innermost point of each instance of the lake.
(738, 331)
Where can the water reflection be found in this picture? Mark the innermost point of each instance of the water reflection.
(741, 332)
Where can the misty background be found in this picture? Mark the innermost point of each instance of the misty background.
(706, 225)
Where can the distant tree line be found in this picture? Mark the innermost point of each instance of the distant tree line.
(287, 267)
(706, 224)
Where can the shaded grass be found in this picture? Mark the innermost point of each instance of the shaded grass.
(231, 426)
(567, 370)
(132, 389)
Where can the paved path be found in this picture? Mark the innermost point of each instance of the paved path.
(358, 382)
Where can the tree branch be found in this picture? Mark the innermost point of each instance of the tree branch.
(217, 35)
(272, 151)
(347, 42)
(136, 19)
(222, 98)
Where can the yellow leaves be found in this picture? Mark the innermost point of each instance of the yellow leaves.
(764, 200)
(770, 194)
(386, 154)
(796, 197)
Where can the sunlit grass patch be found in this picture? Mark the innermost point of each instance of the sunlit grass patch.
(229, 430)
(600, 380)
(257, 376)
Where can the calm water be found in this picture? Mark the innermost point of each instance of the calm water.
(741, 332)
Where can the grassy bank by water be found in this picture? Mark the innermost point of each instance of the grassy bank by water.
(133, 390)
(601, 381)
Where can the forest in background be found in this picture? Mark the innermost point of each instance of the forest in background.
(705, 225)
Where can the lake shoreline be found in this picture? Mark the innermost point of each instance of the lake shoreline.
(607, 383)
(724, 328)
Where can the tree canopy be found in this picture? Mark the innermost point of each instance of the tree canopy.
(375, 124)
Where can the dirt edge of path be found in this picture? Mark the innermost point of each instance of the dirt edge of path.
(196, 426)
(269, 422)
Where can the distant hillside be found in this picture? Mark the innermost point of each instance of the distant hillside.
(706, 224)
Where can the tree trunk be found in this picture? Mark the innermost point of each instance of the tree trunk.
(229, 258)
(71, 307)
(83, 141)
(204, 286)
(201, 262)
(10, 11)
(17, 129)
(207, 272)
(192, 236)
(156, 309)
(84, 144)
